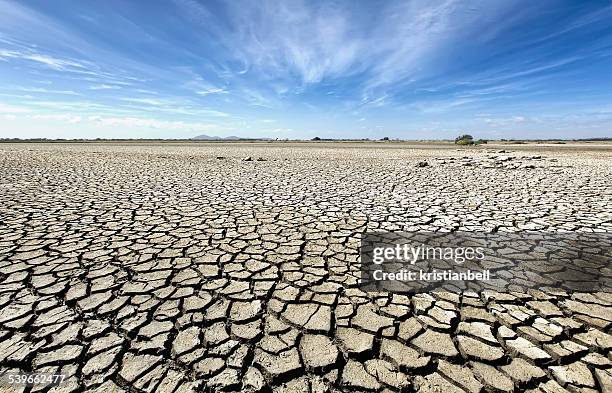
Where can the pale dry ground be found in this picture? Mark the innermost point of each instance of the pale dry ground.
(180, 266)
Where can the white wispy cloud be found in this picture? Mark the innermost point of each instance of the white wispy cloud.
(290, 45)
(104, 87)
(55, 63)
(150, 123)
(317, 42)
(505, 121)
(114, 121)
(259, 98)
(172, 105)
(47, 91)
(68, 118)
(106, 126)
(282, 47)
(211, 91)
(292, 38)
(147, 101)
(68, 105)
(5, 108)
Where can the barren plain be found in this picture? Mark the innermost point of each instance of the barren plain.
(177, 267)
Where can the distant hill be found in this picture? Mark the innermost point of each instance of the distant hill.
(215, 138)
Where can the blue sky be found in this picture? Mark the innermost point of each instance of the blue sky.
(299, 69)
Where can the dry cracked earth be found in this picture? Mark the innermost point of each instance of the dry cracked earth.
(185, 267)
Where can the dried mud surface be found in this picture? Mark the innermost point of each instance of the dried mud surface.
(186, 267)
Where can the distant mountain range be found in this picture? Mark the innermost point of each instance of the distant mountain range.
(215, 138)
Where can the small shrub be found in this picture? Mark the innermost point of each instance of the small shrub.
(464, 142)
(465, 139)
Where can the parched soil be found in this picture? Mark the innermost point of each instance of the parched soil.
(187, 267)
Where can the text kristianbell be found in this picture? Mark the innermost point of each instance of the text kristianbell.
(434, 275)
